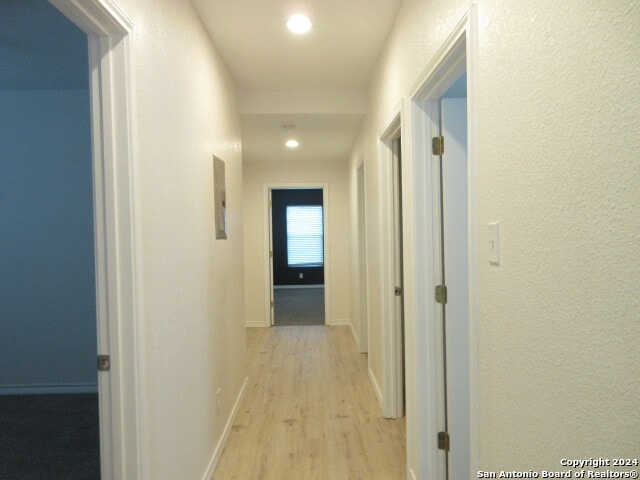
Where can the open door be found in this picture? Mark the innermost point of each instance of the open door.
(450, 155)
(271, 296)
(396, 148)
(363, 331)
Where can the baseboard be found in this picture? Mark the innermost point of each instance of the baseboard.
(354, 335)
(376, 388)
(340, 322)
(411, 475)
(225, 434)
(255, 324)
(279, 287)
(49, 389)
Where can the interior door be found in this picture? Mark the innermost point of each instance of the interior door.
(362, 264)
(271, 295)
(454, 248)
(398, 275)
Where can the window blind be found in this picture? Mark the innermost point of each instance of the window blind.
(305, 236)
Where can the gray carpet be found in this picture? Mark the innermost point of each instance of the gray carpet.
(49, 437)
(299, 306)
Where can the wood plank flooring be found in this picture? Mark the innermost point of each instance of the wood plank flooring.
(310, 412)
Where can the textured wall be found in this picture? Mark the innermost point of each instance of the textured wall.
(558, 143)
(558, 89)
(193, 291)
(256, 175)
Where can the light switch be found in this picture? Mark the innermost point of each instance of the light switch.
(494, 243)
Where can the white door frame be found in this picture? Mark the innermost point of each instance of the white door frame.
(268, 242)
(117, 226)
(393, 395)
(363, 269)
(457, 54)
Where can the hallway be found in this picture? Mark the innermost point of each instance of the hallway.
(310, 412)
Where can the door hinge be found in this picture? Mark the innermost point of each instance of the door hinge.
(104, 363)
(437, 145)
(441, 294)
(270, 204)
(271, 254)
(443, 441)
(398, 291)
(271, 303)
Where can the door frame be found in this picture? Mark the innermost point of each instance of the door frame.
(123, 438)
(363, 267)
(457, 54)
(393, 395)
(268, 243)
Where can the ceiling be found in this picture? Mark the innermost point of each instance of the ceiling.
(317, 81)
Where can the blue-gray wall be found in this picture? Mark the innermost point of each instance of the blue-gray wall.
(47, 274)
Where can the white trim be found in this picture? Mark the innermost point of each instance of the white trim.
(363, 257)
(294, 287)
(255, 324)
(340, 322)
(393, 385)
(472, 167)
(268, 187)
(268, 266)
(217, 452)
(123, 426)
(459, 49)
(354, 334)
(43, 389)
(376, 385)
(410, 474)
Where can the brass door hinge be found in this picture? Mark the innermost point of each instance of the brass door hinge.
(443, 441)
(437, 145)
(441, 294)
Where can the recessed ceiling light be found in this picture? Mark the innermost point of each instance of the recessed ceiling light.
(299, 24)
(292, 143)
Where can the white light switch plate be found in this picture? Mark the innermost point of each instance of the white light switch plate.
(494, 243)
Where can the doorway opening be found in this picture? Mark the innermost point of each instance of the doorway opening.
(121, 380)
(393, 276)
(444, 195)
(297, 256)
(453, 267)
(48, 376)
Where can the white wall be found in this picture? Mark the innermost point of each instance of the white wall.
(185, 111)
(256, 176)
(557, 91)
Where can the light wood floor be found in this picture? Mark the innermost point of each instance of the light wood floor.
(310, 412)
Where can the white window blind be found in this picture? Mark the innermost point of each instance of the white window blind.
(305, 236)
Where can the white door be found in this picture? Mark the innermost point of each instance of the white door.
(362, 264)
(271, 294)
(398, 275)
(453, 121)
